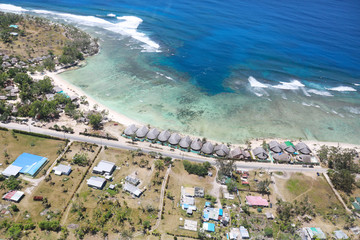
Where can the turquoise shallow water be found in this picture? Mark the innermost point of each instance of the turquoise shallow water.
(226, 70)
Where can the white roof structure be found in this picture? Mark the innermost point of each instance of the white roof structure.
(244, 233)
(104, 167)
(11, 170)
(14, 196)
(96, 182)
(132, 189)
(190, 225)
(62, 169)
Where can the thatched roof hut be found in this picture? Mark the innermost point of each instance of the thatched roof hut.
(275, 147)
(221, 150)
(196, 145)
(164, 136)
(281, 157)
(303, 148)
(130, 130)
(236, 153)
(141, 132)
(260, 153)
(174, 139)
(288, 147)
(185, 142)
(207, 148)
(152, 134)
(304, 158)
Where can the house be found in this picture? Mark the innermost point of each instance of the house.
(152, 134)
(104, 167)
(185, 142)
(244, 233)
(196, 145)
(234, 234)
(340, 235)
(260, 153)
(190, 225)
(12, 171)
(174, 139)
(199, 192)
(164, 136)
(141, 132)
(288, 147)
(62, 169)
(275, 147)
(304, 158)
(303, 148)
(14, 196)
(209, 227)
(221, 150)
(212, 214)
(207, 148)
(236, 153)
(132, 180)
(256, 201)
(312, 233)
(96, 182)
(133, 190)
(356, 204)
(26, 163)
(281, 157)
(130, 130)
(269, 215)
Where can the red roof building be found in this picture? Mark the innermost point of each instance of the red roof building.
(256, 201)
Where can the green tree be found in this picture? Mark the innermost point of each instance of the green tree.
(263, 186)
(81, 159)
(343, 180)
(95, 120)
(231, 185)
(268, 232)
(159, 165)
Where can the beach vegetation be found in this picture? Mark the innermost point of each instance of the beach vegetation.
(95, 120)
(197, 169)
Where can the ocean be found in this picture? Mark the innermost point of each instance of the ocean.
(224, 70)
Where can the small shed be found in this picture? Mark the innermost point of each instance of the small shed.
(209, 227)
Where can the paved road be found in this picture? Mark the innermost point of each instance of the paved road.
(183, 156)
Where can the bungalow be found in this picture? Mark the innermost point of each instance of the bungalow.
(221, 150)
(96, 182)
(164, 136)
(132, 180)
(256, 201)
(185, 142)
(281, 157)
(288, 147)
(196, 145)
(174, 139)
(207, 148)
(236, 153)
(130, 130)
(304, 158)
(104, 167)
(14, 196)
(152, 134)
(303, 148)
(260, 153)
(133, 190)
(62, 169)
(141, 132)
(275, 147)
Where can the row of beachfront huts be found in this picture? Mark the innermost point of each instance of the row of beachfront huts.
(183, 143)
(280, 152)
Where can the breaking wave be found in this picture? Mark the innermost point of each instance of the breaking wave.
(342, 89)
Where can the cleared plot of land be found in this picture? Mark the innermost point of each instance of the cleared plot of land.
(12, 145)
(172, 210)
(59, 189)
(116, 210)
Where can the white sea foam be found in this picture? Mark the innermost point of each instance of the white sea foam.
(11, 8)
(111, 15)
(342, 89)
(321, 93)
(306, 104)
(127, 26)
(255, 83)
(353, 110)
(293, 85)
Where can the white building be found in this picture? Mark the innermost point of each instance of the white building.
(96, 182)
(11, 170)
(62, 169)
(104, 167)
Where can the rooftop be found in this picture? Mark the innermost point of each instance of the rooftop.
(29, 163)
(257, 201)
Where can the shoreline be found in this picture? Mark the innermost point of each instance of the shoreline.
(71, 89)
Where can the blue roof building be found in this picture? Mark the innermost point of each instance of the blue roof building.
(30, 164)
(210, 227)
(13, 26)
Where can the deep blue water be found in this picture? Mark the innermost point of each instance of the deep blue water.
(212, 41)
